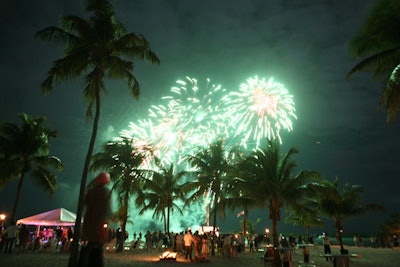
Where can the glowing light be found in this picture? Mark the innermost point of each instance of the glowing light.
(260, 110)
(195, 114)
(187, 119)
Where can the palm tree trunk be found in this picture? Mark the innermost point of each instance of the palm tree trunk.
(244, 221)
(17, 195)
(121, 241)
(168, 218)
(74, 250)
(275, 240)
(274, 216)
(214, 228)
(339, 229)
(164, 219)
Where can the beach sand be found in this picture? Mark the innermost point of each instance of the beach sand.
(368, 257)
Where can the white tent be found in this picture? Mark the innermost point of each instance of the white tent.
(56, 217)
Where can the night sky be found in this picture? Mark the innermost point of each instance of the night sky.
(302, 44)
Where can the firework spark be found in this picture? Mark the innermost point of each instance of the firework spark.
(260, 109)
(186, 120)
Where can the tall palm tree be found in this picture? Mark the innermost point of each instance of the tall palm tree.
(25, 150)
(162, 191)
(97, 48)
(273, 182)
(124, 162)
(340, 204)
(211, 166)
(378, 41)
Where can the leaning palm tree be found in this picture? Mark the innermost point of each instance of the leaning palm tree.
(162, 193)
(211, 165)
(340, 204)
(24, 150)
(378, 41)
(124, 163)
(96, 48)
(275, 186)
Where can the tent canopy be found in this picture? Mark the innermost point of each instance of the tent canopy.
(56, 217)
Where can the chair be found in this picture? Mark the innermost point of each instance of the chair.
(260, 253)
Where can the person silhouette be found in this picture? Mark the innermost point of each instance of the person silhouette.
(95, 223)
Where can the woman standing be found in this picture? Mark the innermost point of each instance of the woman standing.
(205, 246)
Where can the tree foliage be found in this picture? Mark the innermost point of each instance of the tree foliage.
(377, 42)
(25, 150)
(96, 48)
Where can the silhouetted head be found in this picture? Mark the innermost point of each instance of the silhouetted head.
(103, 178)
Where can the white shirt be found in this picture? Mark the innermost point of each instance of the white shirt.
(188, 238)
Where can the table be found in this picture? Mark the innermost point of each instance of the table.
(306, 251)
(341, 260)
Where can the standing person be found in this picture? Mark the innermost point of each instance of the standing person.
(59, 236)
(148, 244)
(227, 245)
(3, 237)
(251, 243)
(197, 244)
(68, 239)
(241, 246)
(95, 222)
(255, 241)
(355, 240)
(11, 230)
(205, 246)
(188, 240)
(327, 245)
(179, 243)
(23, 237)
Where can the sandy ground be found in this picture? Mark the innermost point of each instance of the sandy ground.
(368, 257)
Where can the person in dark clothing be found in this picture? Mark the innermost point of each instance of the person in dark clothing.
(327, 246)
(23, 237)
(11, 230)
(95, 231)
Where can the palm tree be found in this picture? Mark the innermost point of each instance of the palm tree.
(124, 163)
(239, 193)
(274, 185)
(24, 149)
(305, 214)
(97, 48)
(211, 166)
(162, 191)
(378, 40)
(390, 226)
(338, 205)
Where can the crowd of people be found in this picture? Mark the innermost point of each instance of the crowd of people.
(96, 233)
(24, 239)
